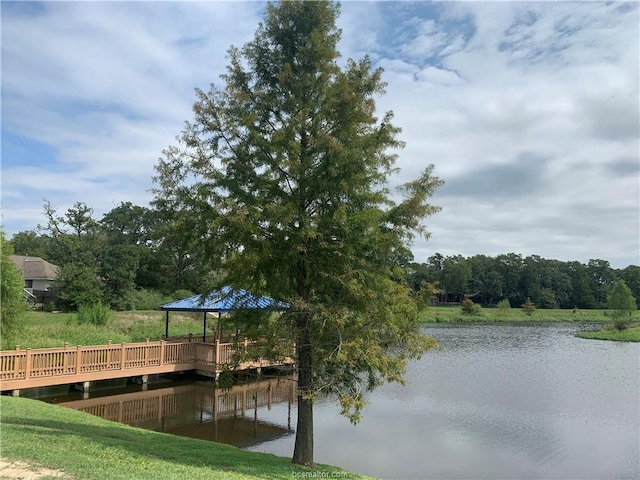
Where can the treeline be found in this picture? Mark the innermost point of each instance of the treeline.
(136, 257)
(548, 283)
(131, 258)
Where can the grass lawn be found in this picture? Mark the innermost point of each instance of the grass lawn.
(454, 314)
(632, 334)
(47, 330)
(88, 447)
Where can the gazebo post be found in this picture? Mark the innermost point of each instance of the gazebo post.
(204, 328)
(219, 328)
(166, 327)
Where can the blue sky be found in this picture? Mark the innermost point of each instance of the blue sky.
(529, 111)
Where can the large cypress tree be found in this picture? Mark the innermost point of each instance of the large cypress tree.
(282, 179)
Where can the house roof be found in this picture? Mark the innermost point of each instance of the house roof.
(34, 268)
(224, 300)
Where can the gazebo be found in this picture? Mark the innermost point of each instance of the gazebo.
(220, 301)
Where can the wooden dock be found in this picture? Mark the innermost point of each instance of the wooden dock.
(32, 368)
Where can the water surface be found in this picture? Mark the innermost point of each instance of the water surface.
(499, 402)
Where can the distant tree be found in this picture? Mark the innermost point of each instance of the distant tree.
(29, 242)
(282, 181)
(485, 281)
(528, 307)
(456, 275)
(128, 224)
(581, 294)
(601, 280)
(76, 236)
(546, 298)
(117, 270)
(12, 303)
(78, 284)
(621, 303)
(631, 276)
(509, 266)
(128, 249)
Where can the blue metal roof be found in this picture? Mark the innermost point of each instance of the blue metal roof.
(224, 300)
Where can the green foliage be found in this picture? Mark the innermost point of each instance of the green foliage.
(528, 307)
(467, 306)
(12, 304)
(95, 314)
(504, 304)
(180, 294)
(78, 284)
(631, 334)
(45, 330)
(456, 275)
(287, 195)
(143, 299)
(621, 303)
(118, 265)
(29, 242)
(549, 283)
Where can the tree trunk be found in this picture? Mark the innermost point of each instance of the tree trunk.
(303, 450)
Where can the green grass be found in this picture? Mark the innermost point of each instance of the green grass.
(88, 447)
(632, 334)
(491, 315)
(47, 330)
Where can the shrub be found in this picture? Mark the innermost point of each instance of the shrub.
(620, 323)
(95, 314)
(528, 307)
(147, 299)
(468, 307)
(504, 304)
(621, 303)
(180, 294)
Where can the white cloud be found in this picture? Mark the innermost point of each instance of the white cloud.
(528, 110)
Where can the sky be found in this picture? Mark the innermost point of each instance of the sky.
(529, 111)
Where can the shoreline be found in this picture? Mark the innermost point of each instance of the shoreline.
(79, 445)
(453, 314)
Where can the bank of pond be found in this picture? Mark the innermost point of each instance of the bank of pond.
(447, 314)
(84, 446)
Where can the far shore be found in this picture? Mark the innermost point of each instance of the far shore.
(448, 314)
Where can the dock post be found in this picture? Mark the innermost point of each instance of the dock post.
(145, 382)
(15, 393)
(16, 363)
(85, 390)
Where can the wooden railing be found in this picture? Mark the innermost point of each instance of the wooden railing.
(54, 366)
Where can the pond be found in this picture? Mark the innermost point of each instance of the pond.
(497, 402)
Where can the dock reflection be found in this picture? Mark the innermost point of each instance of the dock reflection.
(200, 411)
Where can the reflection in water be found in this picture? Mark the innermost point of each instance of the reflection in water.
(200, 410)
